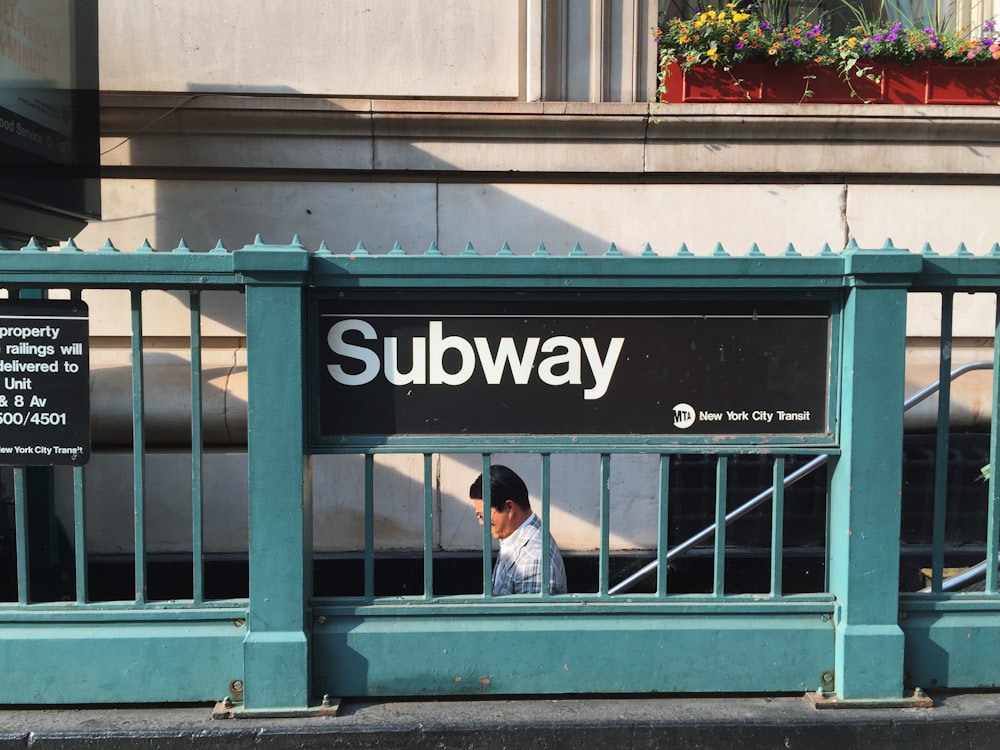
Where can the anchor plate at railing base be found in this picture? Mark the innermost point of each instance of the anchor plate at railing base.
(230, 709)
(821, 699)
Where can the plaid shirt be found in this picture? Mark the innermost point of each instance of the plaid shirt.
(519, 566)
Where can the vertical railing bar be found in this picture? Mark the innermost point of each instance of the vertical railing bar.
(993, 516)
(546, 545)
(487, 532)
(663, 525)
(80, 533)
(604, 573)
(138, 450)
(721, 490)
(21, 534)
(827, 538)
(369, 526)
(197, 442)
(941, 442)
(428, 527)
(778, 527)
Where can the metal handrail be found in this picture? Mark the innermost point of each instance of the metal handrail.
(759, 499)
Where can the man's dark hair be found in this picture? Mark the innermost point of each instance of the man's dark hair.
(505, 485)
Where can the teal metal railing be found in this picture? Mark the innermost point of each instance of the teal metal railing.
(281, 647)
(946, 623)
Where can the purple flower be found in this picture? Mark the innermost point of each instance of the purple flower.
(990, 25)
(891, 37)
(740, 45)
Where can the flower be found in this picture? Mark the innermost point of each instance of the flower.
(736, 34)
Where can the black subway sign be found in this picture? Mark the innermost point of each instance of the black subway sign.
(534, 368)
(45, 374)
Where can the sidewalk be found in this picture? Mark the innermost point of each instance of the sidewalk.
(956, 722)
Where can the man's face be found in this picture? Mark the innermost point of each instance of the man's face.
(501, 521)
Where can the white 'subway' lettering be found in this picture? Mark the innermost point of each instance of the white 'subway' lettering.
(562, 365)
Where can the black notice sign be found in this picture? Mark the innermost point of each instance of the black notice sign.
(45, 374)
(387, 368)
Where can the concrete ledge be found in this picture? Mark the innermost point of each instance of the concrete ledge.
(957, 721)
(195, 133)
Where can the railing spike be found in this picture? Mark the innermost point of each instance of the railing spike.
(397, 249)
(755, 250)
(577, 250)
(648, 252)
(995, 250)
(542, 251)
(33, 246)
(258, 240)
(296, 242)
(927, 250)
(107, 247)
(219, 247)
(69, 247)
(433, 249)
(720, 251)
(962, 250)
(505, 250)
(182, 247)
(613, 251)
(469, 250)
(887, 245)
(145, 247)
(827, 250)
(359, 250)
(323, 249)
(683, 251)
(852, 246)
(791, 252)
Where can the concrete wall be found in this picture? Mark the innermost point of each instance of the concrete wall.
(457, 121)
(432, 48)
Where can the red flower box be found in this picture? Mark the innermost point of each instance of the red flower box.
(884, 82)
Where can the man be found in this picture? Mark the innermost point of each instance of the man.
(519, 566)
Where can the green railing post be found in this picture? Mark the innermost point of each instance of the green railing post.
(867, 477)
(276, 649)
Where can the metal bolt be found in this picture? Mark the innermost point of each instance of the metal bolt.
(326, 700)
(239, 622)
(321, 620)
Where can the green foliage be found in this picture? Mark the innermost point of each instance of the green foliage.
(738, 33)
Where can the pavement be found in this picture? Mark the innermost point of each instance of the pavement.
(955, 722)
